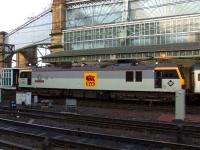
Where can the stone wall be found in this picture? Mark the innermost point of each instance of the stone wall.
(2, 48)
(58, 24)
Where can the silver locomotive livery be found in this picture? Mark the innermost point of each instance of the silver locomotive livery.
(120, 81)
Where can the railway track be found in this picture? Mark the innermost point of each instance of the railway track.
(10, 145)
(84, 140)
(178, 130)
(193, 129)
(97, 121)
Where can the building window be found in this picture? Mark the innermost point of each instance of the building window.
(138, 76)
(129, 76)
(198, 77)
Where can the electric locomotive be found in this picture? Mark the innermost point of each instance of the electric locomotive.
(119, 81)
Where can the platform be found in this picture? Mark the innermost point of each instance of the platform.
(171, 118)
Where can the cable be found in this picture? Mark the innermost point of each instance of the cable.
(48, 11)
(34, 42)
(40, 25)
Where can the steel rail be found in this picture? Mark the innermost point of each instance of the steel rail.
(178, 130)
(169, 128)
(14, 146)
(97, 121)
(54, 141)
(91, 136)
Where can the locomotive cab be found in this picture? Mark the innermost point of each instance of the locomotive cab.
(25, 77)
(169, 78)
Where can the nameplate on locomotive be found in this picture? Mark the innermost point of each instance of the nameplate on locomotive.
(90, 79)
(39, 79)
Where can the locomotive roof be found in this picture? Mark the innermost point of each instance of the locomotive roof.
(98, 68)
(16, 68)
(114, 67)
(196, 66)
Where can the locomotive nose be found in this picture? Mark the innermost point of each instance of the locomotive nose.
(182, 83)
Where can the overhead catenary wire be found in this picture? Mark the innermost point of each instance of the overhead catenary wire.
(34, 27)
(144, 7)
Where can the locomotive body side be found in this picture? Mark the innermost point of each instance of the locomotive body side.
(131, 79)
(105, 80)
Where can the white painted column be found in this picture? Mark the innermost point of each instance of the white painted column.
(0, 95)
(180, 105)
(125, 10)
(11, 76)
(123, 41)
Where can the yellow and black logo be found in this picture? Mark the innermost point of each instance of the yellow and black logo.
(90, 79)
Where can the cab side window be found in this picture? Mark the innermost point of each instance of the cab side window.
(138, 75)
(27, 75)
(199, 77)
(23, 75)
(129, 76)
(170, 74)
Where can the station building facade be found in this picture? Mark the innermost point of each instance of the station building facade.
(84, 30)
